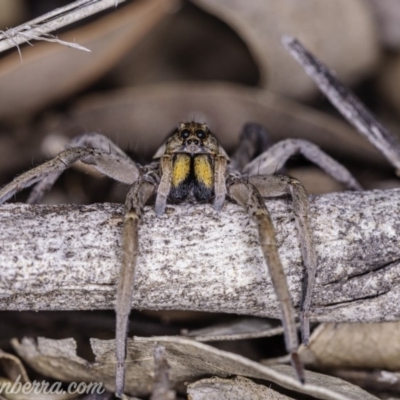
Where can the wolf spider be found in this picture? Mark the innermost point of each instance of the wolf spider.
(191, 163)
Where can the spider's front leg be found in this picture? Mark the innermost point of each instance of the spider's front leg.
(107, 158)
(164, 188)
(137, 197)
(113, 164)
(93, 149)
(247, 195)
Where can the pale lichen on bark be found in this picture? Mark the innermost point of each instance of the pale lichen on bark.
(67, 257)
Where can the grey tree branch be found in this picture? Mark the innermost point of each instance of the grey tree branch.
(68, 257)
(346, 102)
(39, 28)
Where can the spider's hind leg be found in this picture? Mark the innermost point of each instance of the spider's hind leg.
(253, 140)
(93, 149)
(276, 156)
(249, 197)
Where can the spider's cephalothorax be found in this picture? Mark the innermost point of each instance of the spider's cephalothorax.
(192, 162)
(191, 149)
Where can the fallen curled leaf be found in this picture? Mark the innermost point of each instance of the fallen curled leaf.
(375, 380)
(389, 83)
(354, 345)
(12, 367)
(161, 387)
(261, 24)
(188, 45)
(244, 328)
(17, 385)
(11, 13)
(13, 153)
(188, 361)
(232, 389)
(51, 72)
(387, 14)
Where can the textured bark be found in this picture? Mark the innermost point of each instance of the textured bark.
(67, 257)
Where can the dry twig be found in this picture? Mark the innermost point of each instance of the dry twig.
(67, 257)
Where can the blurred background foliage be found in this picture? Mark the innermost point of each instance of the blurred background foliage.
(156, 63)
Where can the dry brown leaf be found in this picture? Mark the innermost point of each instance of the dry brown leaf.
(244, 328)
(354, 345)
(12, 367)
(140, 118)
(12, 13)
(231, 389)
(51, 72)
(376, 380)
(188, 361)
(189, 45)
(13, 154)
(387, 14)
(261, 24)
(388, 84)
(13, 387)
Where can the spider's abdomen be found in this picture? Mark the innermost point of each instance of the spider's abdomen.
(192, 174)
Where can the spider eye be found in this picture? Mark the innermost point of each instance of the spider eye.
(185, 134)
(200, 134)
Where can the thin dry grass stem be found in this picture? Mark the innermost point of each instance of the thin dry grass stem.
(346, 102)
(39, 28)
